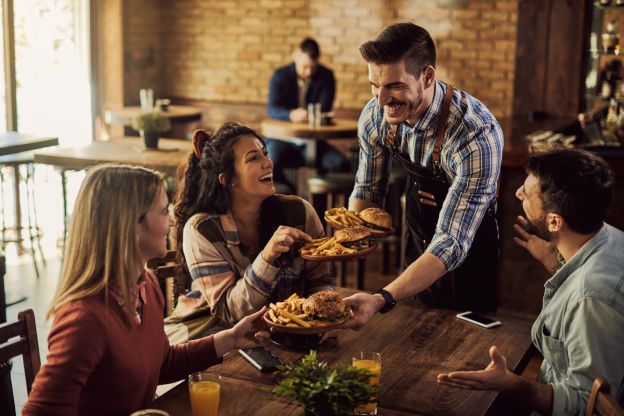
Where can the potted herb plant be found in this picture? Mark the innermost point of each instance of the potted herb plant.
(150, 124)
(324, 391)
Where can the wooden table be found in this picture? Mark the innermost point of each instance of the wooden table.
(340, 133)
(129, 150)
(416, 343)
(297, 132)
(11, 143)
(176, 113)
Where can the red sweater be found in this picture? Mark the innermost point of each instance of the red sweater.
(98, 365)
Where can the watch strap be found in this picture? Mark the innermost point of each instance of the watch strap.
(388, 298)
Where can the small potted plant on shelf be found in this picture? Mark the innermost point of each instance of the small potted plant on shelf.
(324, 391)
(150, 124)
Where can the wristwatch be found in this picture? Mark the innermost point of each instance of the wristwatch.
(388, 298)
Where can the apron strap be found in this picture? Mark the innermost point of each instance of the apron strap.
(441, 129)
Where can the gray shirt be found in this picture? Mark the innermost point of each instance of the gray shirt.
(580, 330)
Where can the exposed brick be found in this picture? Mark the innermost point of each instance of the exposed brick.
(226, 50)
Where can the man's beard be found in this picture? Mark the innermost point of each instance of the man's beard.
(539, 228)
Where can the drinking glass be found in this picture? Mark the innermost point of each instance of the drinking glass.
(150, 412)
(371, 361)
(311, 115)
(204, 391)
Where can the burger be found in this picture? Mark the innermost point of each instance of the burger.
(326, 306)
(356, 238)
(376, 219)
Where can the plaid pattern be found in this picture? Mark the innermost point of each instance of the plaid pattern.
(227, 285)
(471, 159)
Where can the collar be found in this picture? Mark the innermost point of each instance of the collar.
(429, 120)
(139, 300)
(578, 259)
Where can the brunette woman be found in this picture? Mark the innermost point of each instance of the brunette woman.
(237, 237)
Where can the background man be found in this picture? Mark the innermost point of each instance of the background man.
(291, 89)
(580, 330)
(451, 146)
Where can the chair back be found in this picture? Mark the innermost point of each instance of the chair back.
(18, 338)
(601, 402)
(165, 269)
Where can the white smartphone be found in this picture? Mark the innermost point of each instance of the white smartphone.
(475, 318)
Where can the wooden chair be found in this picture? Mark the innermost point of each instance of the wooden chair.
(18, 338)
(165, 269)
(601, 402)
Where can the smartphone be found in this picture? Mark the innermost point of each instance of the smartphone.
(261, 358)
(475, 318)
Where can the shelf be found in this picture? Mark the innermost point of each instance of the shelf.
(601, 53)
(610, 6)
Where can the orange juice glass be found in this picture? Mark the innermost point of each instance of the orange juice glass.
(205, 391)
(371, 361)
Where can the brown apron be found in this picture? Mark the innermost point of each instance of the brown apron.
(471, 286)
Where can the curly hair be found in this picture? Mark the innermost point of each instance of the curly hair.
(199, 188)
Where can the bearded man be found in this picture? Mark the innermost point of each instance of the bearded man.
(580, 330)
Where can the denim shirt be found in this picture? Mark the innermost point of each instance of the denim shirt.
(580, 330)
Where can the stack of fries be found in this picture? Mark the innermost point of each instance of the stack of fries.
(344, 217)
(290, 313)
(325, 247)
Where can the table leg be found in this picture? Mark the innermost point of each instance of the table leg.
(18, 209)
(3, 304)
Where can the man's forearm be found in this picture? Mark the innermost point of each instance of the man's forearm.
(538, 396)
(418, 276)
(358, 205)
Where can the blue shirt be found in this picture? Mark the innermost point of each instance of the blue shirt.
(471, 159)
(580, 331)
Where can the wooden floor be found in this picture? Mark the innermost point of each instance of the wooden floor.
(21, 280)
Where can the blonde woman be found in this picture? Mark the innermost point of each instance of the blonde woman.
(107, 347)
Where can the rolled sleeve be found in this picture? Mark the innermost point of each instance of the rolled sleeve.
(446, 248)
(262, 275)
(477, 164)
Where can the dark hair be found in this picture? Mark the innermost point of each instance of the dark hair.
(575, 184)
(311, 48)
(402, 41)
(199, 188)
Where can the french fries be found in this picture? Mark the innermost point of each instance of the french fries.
(327, 246)
(290, 313)
(344, 217)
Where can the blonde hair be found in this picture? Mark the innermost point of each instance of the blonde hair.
(101, 246)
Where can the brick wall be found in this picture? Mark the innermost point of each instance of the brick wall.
(226, 50)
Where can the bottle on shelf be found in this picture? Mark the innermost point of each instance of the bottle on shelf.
(611, 39)
(605, 2)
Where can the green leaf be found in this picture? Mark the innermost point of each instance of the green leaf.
(325, 391)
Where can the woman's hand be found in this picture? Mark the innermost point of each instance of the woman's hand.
(247, 333)
(543, 251)
(283, 238)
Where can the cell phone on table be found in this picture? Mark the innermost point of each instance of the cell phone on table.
(477, 319)
(261, 358)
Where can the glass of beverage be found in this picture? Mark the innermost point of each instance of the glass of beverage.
(205, 391)
(150, 412)
(370, 361)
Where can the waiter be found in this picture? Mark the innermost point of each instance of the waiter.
(451, 147)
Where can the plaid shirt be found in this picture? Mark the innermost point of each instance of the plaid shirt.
(471, 160)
